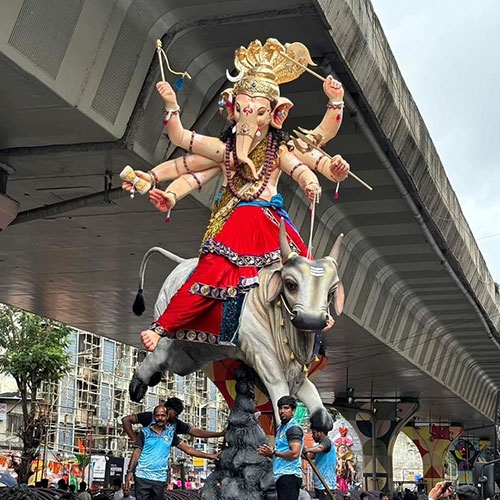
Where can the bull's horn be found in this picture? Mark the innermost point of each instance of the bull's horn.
(334, 254)
(286, 251)
(237, 78)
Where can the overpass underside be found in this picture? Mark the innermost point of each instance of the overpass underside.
(78, 104)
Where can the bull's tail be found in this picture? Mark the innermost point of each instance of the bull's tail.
(139, 306)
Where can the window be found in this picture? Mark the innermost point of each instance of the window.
(108, 357)
(105, 408)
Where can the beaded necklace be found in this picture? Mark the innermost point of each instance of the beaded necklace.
(264, 174)
(239, 185)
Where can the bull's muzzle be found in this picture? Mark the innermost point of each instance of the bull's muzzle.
(303, 320)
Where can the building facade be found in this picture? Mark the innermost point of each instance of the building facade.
(84, 409)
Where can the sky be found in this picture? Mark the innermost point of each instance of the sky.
(448, 52)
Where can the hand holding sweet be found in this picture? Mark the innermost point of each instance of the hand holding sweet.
(162, 200)
(127, 186)
(313, 192)
(339, 168)
(333, 89)
(168, 95)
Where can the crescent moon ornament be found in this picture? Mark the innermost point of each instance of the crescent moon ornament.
(234, 79)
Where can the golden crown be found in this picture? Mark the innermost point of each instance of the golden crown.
(263, 67)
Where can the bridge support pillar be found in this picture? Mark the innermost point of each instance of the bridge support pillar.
(378, 423)
(433, 443)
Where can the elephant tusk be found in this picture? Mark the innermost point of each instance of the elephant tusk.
(236, 78)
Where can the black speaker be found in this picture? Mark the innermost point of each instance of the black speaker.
(484, 478)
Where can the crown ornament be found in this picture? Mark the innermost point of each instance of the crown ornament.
(262, 68)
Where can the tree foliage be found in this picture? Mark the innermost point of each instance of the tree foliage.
(33, 350)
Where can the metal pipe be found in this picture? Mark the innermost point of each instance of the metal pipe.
(68, 205)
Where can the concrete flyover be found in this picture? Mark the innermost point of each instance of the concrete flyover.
(78, 104)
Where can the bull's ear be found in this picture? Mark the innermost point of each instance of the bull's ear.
(274, 286)
(338, 299)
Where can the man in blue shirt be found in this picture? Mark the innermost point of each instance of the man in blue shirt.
(325, 459)
(287, 453)
(175, 404)
(149, 460)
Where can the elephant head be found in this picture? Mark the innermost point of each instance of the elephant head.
(253, 117)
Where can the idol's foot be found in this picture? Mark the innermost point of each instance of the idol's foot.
(150, 339)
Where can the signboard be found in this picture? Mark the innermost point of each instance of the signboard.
(114, 469)
(98, 465)
(199, 464)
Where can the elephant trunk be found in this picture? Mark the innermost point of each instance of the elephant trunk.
(243, 143)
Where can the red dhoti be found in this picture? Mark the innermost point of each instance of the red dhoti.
(228, 267)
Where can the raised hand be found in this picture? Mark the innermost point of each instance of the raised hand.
(333, 89)
(168, 95)
(162, 200)
(339, 168)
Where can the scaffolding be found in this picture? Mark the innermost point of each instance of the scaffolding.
(85, 408)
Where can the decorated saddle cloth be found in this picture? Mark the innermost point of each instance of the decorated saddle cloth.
(207, 307)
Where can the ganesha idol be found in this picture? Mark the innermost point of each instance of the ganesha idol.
(243, 232)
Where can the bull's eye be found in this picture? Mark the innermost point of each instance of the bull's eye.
(291, 286)
(331, 293)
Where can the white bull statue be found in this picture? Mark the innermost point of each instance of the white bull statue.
(279, 329)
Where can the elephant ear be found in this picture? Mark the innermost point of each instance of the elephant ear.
(274, 287)
(338, 299)
(227, 101)
(281, 111)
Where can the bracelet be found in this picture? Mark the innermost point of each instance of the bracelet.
(169, 113)
(154, 178)
(130, 471)
(295, 167)
(189, 171)
(335, 105)
(173, 194)
(190, 150)
(172, 110)
(316, 165)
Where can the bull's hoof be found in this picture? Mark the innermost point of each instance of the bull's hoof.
(137, 389)
(155, 379)
(321, 420)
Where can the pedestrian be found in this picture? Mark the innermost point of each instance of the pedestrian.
(126, 494)
(174, 404)
(289, 443)
(117, 489)
(324, 455)
(149, 462)
(83, 494)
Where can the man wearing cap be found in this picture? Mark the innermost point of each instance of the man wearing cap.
(174, 408)
(289, 443)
